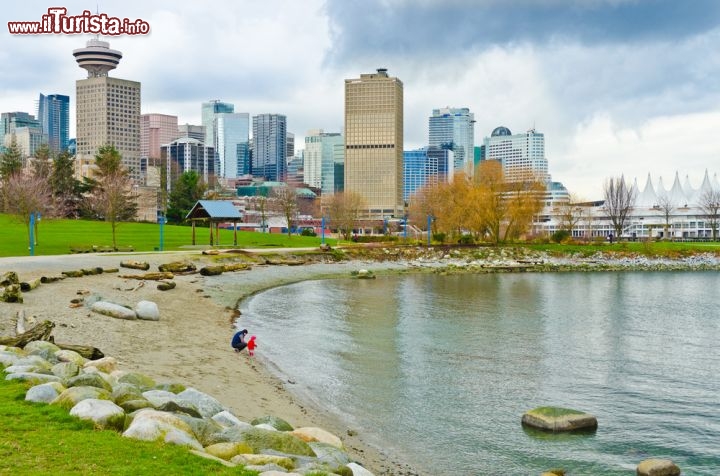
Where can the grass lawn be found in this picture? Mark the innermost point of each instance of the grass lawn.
(59, 236)
(669, 249)
(37, 439)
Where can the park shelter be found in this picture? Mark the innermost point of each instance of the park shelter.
(214, 212)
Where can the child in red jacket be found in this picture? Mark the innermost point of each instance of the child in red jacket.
(251, 346)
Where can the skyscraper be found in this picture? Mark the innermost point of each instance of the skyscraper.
(374, 142)
(454, 129)
(519, 154)
(319, 158)
(26, 130)
(209, 110)
(108, 109)
(54, 117)
(269, 158)
(156, 130)
(426, 166)
(232, 138)
(194, 132)
(186, 154)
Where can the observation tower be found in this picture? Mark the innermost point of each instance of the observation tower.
(97, 58)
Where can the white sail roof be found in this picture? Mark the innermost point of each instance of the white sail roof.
(648, 197)
(677, 196)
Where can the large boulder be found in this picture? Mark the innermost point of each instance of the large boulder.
(103, 413)
(227, 419)
(329, 455)
(74, 395)
(170, 387)
(152, 425)
(226, 451)
(45, 392)
(206, 405)
(277, 423)
(113, 310)
(309, 434)
(33, 378)
(44, 349)
(262, 460)
(65, 370)
(139, 380)
(159, 397)
(89, 380)
(657, 467)
(122, 392)
(559, 419)
(41, 364)
(147, 311)
(131, 406)
(203, 428)
(107, 364)
(260, 440)
(8, 358)
(64, 355)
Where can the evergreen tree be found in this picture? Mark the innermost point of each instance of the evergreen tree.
(65, 187)
(185, 192)
(42, 163)
(11, 160)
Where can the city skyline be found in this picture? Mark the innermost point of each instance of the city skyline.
(617, 87)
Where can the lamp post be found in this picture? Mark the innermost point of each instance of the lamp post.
(32, 233)
(322, 231)
(405, 227)
(430, 219)
(161, 222)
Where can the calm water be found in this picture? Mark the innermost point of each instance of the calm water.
(439, 369)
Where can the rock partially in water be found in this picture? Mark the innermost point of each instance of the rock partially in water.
(657, 467)
(559, 419)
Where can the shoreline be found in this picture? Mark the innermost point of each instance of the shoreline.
(190, 343)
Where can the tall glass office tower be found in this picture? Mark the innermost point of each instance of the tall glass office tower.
(319, 158)
(54, 117)
(232, 143)
(208, 111)
(454, 129)
(269, 158)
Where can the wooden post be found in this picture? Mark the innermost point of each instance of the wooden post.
(217, 233)
(211, 230)
(193, 232)
(235, 233)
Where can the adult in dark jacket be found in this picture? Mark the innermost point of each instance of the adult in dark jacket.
(238, 341)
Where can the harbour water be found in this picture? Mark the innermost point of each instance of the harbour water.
(439, 369)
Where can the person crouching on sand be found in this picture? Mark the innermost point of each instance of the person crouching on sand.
(238, 341)
(251, 345)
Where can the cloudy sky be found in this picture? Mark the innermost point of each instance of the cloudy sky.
(617, 86)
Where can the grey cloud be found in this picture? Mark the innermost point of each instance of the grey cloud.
(439, 28)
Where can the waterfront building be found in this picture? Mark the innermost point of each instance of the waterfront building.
(54, 117)
(156, 130)
(107, 110)
(232, 144)
(426, 166)
(269, 156)
(454, 129)
(647, 217)
(194, 132)
(519, 154)
(374, 142)
(208, 111)
(187, 154)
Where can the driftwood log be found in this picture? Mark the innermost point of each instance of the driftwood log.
(155, 276)
(141, 265)
(221, 268)
(8, 278)
(11, 293)
(51, 279)
(26, 286)
(178, 267)
(43, 331)
(166, 285)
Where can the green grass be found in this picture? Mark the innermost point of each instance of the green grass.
(59, 236)
(37, 439)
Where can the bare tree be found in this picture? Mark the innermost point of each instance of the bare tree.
(111, 199)
(344, 210)
(710, 206)
(667, 207)
(260, 204)
(571, 213)
(619, 200)
(25, 195)
(285, 199)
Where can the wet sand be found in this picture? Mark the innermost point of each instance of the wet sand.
(190, 342)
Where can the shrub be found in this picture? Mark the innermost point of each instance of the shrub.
(308, 232)
(439, 237)
(560, 236)
(466, 240)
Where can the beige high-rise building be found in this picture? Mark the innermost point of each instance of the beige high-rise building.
(374, 142)
(108, 110)
(156, 130)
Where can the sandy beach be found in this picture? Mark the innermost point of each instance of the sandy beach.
(190, 342)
